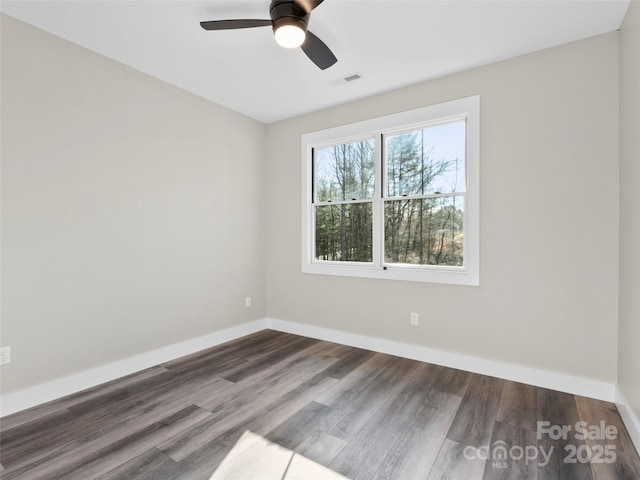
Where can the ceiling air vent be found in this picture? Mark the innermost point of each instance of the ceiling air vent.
(336, 82)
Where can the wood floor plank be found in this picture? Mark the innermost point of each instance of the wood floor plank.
(234, 358)
(452, 464)
(474, 421)
(321, 447)
(519, 406)
(450, 380)
(248, 345)
(337, 350)
(94, 430)
(353, 409)
(295, 430)
(239, 408)
(348, 362)
(356, 381)
(205, 459)
(560, 409)
(519, 446)
(150, 465)
(601, 414)
(278, 411)
(90, 463)
(151, 387)
(557, 408)
(172, 394)
(558, 467)
(286, 370)
(257, 365)
(21, 442)
(10, 422)
(596, 402)
(363, 455)
(414, 454)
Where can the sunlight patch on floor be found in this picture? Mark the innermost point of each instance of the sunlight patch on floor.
(254, 457)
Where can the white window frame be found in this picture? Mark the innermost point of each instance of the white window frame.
(469, 274)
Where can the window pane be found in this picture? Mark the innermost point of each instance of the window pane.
(344, 172)
(424, 231)
(426, 161)
(344, 232)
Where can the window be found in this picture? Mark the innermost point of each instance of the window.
(395, 197)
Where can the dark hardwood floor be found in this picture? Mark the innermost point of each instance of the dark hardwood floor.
(362, 414)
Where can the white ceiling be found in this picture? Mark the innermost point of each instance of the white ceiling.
(389, 43)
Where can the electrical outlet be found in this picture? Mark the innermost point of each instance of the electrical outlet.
(415, 318)
(5, 355)
(247, 302)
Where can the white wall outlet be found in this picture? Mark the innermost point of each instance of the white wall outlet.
(5, 355)
(247, 302)
(415, 318)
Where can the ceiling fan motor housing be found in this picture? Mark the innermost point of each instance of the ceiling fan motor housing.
(285, 12)
(289, 20)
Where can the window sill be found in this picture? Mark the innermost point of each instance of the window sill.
(443, 275)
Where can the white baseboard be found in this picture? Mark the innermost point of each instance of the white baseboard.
(508, 371)
(61, 387)
(629, 418)
(54, 389)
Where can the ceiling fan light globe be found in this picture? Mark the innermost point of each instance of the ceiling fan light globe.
(289, 36)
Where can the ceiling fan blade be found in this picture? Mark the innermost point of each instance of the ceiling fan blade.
(318, 52)
(232, 24)
(308, 5)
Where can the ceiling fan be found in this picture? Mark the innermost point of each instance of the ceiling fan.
(289, 20)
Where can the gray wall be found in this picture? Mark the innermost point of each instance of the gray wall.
(134, 216)
(629, 325)
(549, 220)
(132, 212)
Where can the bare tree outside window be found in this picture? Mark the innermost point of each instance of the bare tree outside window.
(395, 197)
(344, 185)
(423, 199)
(424, 204)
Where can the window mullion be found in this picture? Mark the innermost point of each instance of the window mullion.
(378, 218)
(344, 202)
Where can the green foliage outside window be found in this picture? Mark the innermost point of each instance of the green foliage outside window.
(424, 187)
